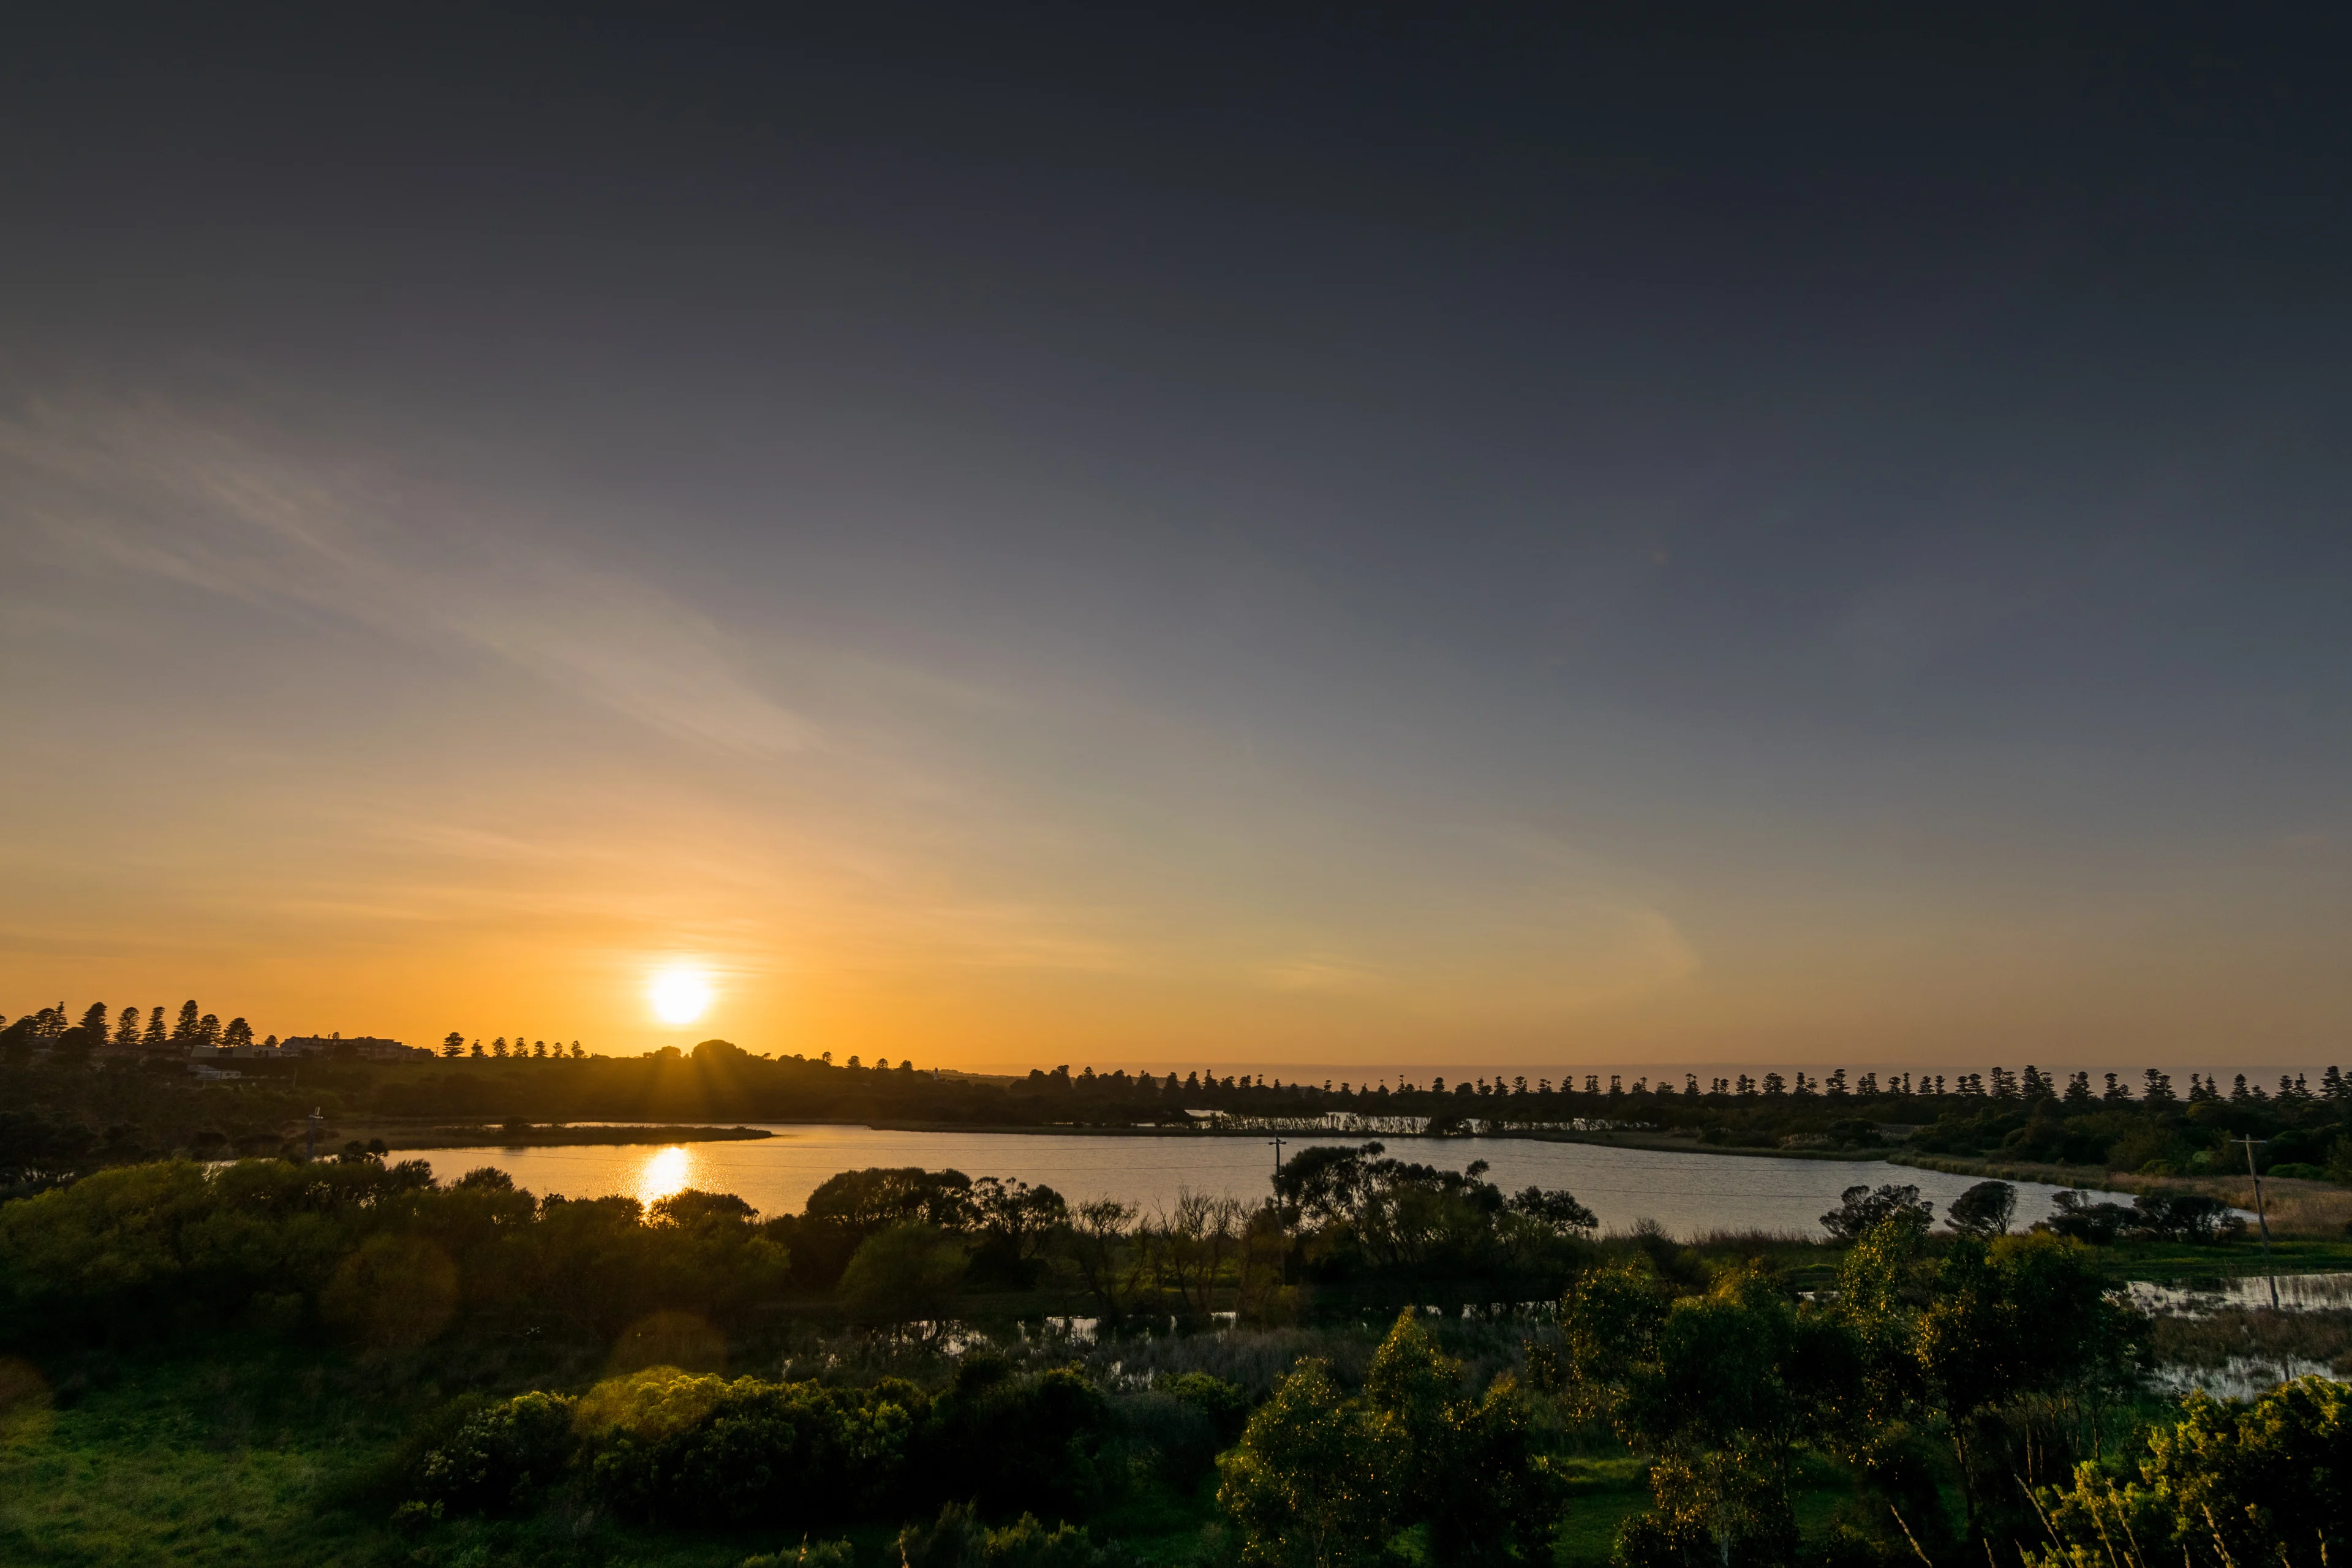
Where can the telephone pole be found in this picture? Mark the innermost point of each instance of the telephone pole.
(2262, 1217)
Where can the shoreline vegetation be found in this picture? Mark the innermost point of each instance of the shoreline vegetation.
(271, 1361)
(394, 1138)
(83, 1096)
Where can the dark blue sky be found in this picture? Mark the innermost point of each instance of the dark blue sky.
(1638, 537)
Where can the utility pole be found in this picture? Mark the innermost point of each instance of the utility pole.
(1277, 1160)
(311, 1142)
(2261, 1218)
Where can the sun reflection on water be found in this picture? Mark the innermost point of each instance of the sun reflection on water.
(671, 1170)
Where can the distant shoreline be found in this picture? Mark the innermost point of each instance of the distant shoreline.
(483, 1137)
(401, 1139)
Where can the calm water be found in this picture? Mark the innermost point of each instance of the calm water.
(1684, 1192)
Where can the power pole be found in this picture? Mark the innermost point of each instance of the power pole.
(2261, 1218)
(1277, 1160)
(310, 1141)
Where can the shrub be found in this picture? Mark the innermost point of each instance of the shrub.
(1038, 1443)
(957, 1540)
(1025, 1544)
(498, 1458)
(1226, 1405)
(807, 1554)
(2227, 1484)
(1314, 1480)
(395, 1292)
(906, 1273)
(2183, 1217)
(2076, 1215)
(669, 1445)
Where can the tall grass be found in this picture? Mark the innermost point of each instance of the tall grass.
(2214, 1338)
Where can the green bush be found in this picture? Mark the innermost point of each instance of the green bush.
(959, 1540)
(1026, 1543)
(1041, 1443)
(498, 1458)
(807, 1554)
(669, 1446)
(904, 1274)
(2268, 1482)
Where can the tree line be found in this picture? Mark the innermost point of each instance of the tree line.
(73, 1114)
(50, 1031)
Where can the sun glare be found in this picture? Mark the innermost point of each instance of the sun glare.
(680, 995)
(671, 1171)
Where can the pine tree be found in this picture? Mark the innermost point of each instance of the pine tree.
(154, 1039)
(577, 1054)
(126, 1030)
(499, 1047)
(476, 1050)
(93, 1024)
(539, 1049)
(452, 1044)
(2333, 1087)
(208, 1030)
(2158, 1087)
(183, 1032)
(238, 1034)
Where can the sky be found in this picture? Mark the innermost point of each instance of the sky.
(1006, 536)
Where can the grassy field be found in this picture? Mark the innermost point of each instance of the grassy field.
(288, 1458)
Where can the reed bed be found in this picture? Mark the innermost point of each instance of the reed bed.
(2215, 1339)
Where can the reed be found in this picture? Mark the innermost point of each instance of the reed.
(2211, 1339)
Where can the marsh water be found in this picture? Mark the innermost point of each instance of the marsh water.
(1688, 1194)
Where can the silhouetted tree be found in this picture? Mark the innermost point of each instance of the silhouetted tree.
(1984, 1210)
(1860, 1207)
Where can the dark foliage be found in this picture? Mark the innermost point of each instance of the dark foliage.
(1861, 1208)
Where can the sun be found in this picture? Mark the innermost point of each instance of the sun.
(680, 994)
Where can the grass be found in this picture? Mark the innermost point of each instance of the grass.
(1603, 1492)
(2165, 1261)
(2313, 1211)
(2259, 1334)
(190, 1463)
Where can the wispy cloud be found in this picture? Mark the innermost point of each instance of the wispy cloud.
(147, 489)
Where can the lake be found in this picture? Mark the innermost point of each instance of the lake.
(1686, 1193)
